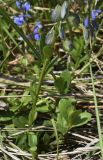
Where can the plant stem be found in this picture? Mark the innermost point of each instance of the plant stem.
(97, 114)
(56, 135)
(33, 110)
(41, 79)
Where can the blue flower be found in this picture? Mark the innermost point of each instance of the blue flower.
(86, 22)
(26, 6)
(18, 4)
(23, 6)
(95, 13)
(37, 27)
(36, 34)
(90, 24)
(19, 20)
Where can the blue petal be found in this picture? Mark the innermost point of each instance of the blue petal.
(19, 20)
(26, 6)
(36, 36)
(18, 4)
(95, 13)
(86, 22)
(35, 29)
(38, 24)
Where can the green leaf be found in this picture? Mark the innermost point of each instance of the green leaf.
(56, 14)
(21, 140)
(62, 124)
(62, 83)
(65, 110)
(32, 139)
(79, 118)
(33, 150)
(46, 139)
(24, 99)
(66, 107)
(64, 9)
(32, 142)
(51, 64)
(67, 45)
(48, 52)
(50, 37)
(61, 31)
(77, 51)
(32, 116)
(32, 90)
(43, 109)
(66, 76)
(20, 122)
(6, 116)
(68, 117)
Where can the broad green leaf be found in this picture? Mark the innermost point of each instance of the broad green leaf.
(62, 83)
(68, 117)
(33, 149)
(79, 118)
(76, 52)
(65, 110)
(32, 116)
(62, 124)
(32, 139)
(42, 109)
(20, 122)
(66, 76)
(21, 140)
(48, 52)
(66, 107)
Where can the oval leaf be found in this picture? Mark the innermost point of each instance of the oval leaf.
(64, 9)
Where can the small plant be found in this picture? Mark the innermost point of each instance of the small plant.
(40, 117)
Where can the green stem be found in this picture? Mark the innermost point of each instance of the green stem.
(56, 135)
(41, 79)
(33, 110)
(97, 114)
